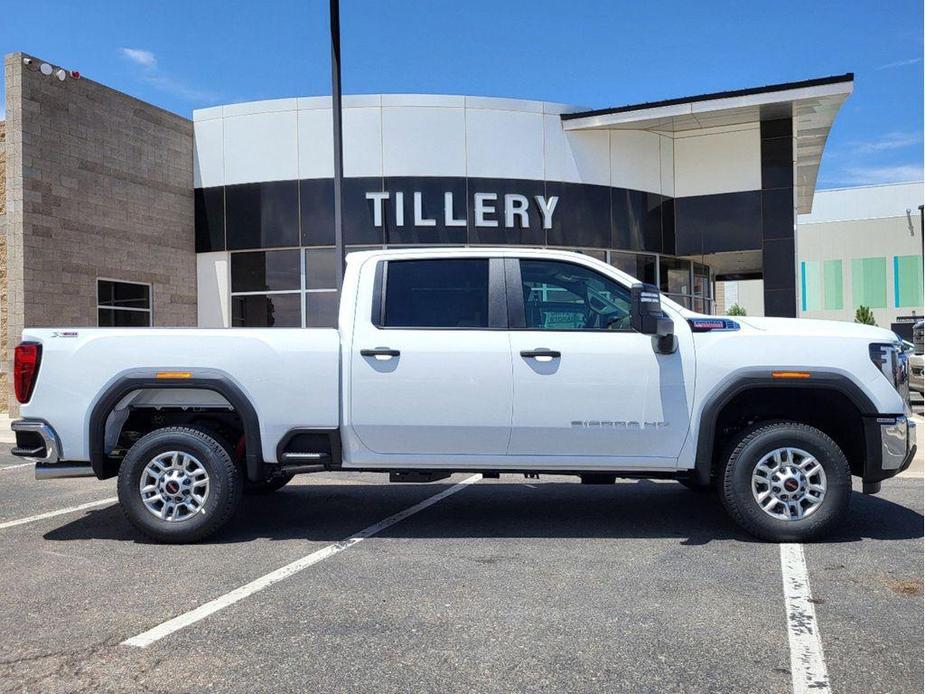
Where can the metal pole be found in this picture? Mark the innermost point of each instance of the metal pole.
(338, 142)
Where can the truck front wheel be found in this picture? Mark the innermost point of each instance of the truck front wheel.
(786, 482)
(178, 485)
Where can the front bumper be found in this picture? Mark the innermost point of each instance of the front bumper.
(890, 448)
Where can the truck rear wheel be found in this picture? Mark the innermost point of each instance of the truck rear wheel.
(786, 482)
(178, 485)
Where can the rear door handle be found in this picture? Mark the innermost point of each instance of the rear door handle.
(380, 352)
(541, 352)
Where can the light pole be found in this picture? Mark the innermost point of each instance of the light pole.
(336, 114)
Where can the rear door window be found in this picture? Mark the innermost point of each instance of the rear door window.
(451, 293)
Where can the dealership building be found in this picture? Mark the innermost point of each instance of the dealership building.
(118, 212)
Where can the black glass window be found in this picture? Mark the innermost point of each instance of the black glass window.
(266, 311)
(209, 205)
(642, 267)
(320, 268)
(564, 296)
(123, 304)
(262, 215)
(675, 277)
(437, 294)
(265, 271)
(321, 309)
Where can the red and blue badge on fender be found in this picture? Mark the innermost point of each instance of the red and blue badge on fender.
(709, 325)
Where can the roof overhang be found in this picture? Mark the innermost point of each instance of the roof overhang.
(812, 104)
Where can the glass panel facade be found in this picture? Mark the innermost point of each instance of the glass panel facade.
(675, 276)
(265, 271)
(907, 281)
(266, 311)
(642, 267)
(868, 282)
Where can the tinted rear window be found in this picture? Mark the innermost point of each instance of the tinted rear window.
(437, 294)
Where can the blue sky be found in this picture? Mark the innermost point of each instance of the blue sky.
(190, 54)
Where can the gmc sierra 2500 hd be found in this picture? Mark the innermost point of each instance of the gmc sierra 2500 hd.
(486, 360)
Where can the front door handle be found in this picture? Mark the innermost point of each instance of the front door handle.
(541, 352)
(380, 352)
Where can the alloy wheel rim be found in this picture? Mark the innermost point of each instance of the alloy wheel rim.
(174, 486)
(789, 484)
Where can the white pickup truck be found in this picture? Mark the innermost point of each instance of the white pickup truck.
(486, 360)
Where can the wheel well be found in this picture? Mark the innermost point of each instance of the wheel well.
(829, 410)
(132, 407)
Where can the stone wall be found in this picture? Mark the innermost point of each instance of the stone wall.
(100, 184)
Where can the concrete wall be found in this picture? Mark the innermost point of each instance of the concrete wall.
(99, 184)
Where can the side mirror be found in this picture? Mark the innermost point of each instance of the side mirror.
(648, 318)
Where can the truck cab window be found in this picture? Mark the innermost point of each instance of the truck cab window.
(437, 294)
(565, 296)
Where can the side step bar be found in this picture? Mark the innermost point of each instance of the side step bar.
(54, 471)
(297, 463)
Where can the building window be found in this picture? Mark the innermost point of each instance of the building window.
(321, 295)
(675, 279)
(123, 304)
(290, 288)
(266, 289)
(868, 282)
(907, 281)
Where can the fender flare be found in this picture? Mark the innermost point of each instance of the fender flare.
(820, 379)
(224, 386)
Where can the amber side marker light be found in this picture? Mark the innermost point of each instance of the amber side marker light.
(790, 374)
(173, 374)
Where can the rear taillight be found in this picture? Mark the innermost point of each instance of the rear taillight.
(26, 360)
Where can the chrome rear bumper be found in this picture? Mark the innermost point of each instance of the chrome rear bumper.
(39, 442)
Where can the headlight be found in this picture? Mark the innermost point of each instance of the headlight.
(893, 364)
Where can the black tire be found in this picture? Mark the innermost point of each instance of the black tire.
(275, 481)
(225, 484)
(695, 486)
(754, 444)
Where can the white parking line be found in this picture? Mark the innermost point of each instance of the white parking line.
(184, 620)
(807, 663)
(13, 467)
(59, 512)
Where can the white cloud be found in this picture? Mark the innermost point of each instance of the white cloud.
(139, 56)
(870, 175)
(889, 141)
(151, 74)
(901, 63)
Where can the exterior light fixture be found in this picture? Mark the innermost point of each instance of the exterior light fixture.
(60, 74)
(45, 69)
(75, 74)
(27, 61)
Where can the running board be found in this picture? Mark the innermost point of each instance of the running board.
(296, 463)
(54, 471)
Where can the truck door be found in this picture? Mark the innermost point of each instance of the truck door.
(586, 384)
(431, 367)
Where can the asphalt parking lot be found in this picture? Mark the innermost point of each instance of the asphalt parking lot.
(502, 585)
